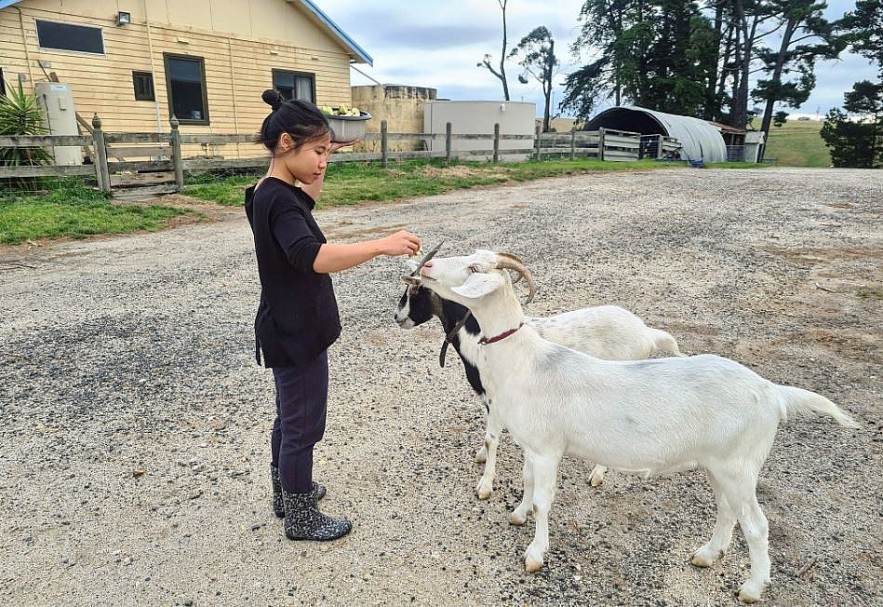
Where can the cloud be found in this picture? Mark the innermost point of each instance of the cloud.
(437, 43)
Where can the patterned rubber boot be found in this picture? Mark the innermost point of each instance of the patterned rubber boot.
(278, 505)
(303, 521)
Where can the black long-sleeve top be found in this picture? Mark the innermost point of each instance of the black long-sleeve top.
(297, 318)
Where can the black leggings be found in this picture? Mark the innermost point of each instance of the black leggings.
(301, 406)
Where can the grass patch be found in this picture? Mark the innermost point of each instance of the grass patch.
(75, 211)
(349, 183)
(229, 191)
(870, 293)
(798, 143)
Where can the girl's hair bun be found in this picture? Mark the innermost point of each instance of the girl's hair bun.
(273, 98)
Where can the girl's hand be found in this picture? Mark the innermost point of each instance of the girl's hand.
(336, 145)
(400, 243)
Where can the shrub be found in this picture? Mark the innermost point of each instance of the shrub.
(20, 115)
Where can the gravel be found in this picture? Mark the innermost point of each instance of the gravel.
(133, 443)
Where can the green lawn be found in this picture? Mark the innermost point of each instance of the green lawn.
(798, 143)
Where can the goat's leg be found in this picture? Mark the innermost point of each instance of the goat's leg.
(596, 477)
(519, 515)
(545, 478)
(481, 454)
(723, 529)
(755, 528)
(491, 439)
(739, 490)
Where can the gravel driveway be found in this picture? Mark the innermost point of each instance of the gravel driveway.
(133, 443)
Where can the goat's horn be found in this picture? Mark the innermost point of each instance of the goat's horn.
(427, 257)
(516, 258)
(510, 262)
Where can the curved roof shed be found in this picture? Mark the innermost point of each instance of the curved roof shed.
(700, 139)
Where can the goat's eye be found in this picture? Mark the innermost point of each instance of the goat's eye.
(474, 268)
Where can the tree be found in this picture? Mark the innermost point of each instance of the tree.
(855, 143)
(806, 37)
(537, 52)
(852, 144)
(486, 62)
(657, 54)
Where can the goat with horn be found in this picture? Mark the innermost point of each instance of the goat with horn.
(608, 332)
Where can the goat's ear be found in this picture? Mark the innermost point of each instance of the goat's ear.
(479, 284)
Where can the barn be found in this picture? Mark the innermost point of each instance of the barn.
(699, 139)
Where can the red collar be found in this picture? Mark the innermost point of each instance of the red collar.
(484, 340)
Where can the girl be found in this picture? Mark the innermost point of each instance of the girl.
(297, 319)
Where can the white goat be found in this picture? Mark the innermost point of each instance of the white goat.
(649, 417)
(607, 332)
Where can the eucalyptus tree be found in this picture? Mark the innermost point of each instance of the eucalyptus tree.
(500, 72)
(536, 54)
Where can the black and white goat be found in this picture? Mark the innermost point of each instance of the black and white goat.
(607, 332)
(648, 417)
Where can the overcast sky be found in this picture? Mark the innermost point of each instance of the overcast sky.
(437, 43)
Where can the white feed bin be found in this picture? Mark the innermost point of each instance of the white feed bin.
(57, 102)
(347, 128)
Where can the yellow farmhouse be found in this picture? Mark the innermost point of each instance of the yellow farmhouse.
(137, 62)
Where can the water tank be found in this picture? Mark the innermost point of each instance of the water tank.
(57, 102)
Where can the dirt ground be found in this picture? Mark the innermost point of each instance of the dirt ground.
(134, 437)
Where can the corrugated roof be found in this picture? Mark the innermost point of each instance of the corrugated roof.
(357, 52)
(700, 139)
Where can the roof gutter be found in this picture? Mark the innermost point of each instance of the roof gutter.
(356, 50)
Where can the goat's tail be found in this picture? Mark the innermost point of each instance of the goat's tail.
(798, 400)
(664, 342)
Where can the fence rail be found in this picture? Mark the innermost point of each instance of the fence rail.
(113, 155)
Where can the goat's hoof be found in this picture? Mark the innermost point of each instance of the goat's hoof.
(750, 592)
(705, 557)
(596, 480)
(517, 519)
(483, 491)
(481, 456)
(532, 566)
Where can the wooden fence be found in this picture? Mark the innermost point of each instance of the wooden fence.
(161, 165)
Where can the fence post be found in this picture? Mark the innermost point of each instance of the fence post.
(573, 144)
(537, 132)
(102, 174)
(384, 145)
(177, 161)
(496, 142)
(601, 143)
(449, 139)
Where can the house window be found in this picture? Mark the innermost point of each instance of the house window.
(295, 85)
(185, 79)
(143, 82)
(69, 37)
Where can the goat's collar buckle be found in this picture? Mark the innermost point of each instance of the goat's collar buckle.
(489, 340)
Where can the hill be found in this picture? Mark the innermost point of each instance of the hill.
(797, 143)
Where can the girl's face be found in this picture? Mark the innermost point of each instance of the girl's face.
(308, 162)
